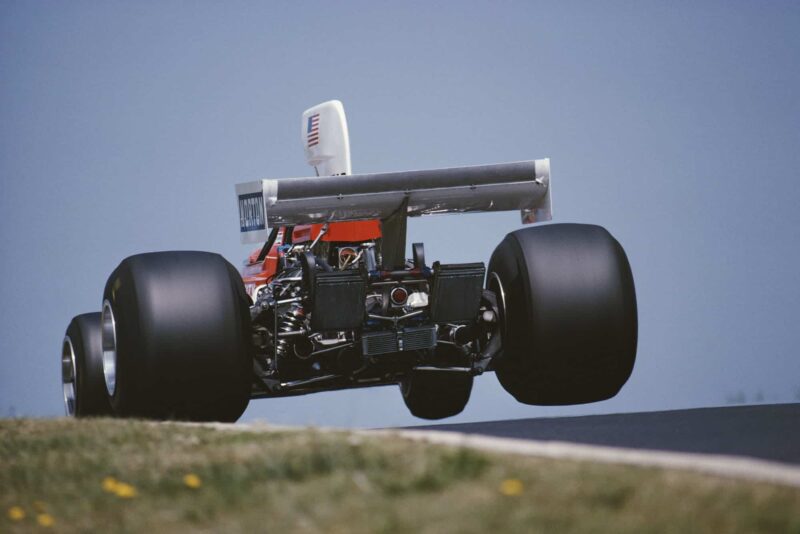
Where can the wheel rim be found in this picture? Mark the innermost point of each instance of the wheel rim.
(69, 375)
(109, 335)
(497, 286)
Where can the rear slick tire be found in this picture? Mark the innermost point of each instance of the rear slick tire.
(176, 338)
(568, 313)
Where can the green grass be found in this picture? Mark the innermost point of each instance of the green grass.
(313, 481)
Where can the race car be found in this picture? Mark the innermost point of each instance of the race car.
(329, 300)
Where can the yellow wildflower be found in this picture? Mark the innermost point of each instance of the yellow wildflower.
(125, 491)
(15, 513)
(45, 520)
(192, 481)
(110, 484)
(511, 487)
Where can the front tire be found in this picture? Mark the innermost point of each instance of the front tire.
(436, 394)
(568, 311)
(82, 368)
(176, 338)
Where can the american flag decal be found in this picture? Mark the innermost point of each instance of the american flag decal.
(312, 132)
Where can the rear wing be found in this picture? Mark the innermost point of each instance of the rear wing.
(523, 186)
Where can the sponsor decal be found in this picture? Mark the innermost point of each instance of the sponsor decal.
(251, 212)
(312, 131)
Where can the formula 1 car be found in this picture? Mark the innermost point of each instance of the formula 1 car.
(329, 300)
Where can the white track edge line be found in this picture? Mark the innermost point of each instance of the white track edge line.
(729, 466)
(715, 464)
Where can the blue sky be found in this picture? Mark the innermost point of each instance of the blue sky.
(124, 127)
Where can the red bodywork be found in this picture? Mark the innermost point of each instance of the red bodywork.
(257, 274)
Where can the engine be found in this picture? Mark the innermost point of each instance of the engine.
(338, 315)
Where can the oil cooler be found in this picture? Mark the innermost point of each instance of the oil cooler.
(456, 292)
(338, 300)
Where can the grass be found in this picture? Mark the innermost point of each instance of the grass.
(53, 471)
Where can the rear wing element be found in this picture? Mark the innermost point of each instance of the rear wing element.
(523, 186)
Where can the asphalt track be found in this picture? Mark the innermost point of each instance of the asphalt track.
(766, 432)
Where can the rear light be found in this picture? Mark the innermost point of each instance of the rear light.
(399, 295)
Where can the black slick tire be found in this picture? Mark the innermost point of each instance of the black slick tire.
(436, 394)
(82, 368)
(178, 327)
(568, 312)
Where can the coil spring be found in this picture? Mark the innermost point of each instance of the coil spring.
(290, 321)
